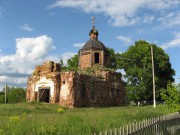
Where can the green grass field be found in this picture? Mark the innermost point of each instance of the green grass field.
(42, 119)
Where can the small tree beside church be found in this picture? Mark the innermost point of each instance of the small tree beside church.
(171, 96)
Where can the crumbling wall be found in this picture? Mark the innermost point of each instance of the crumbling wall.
(104, 88)
(67, 89)
(76, 89)
(45, 76)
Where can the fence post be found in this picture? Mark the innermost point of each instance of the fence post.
(161, 125)
(127, 130)
(115, 131)
(120, 131)
(106, 132)
(133, 128)
(150, 126)
(111, 132)
(130, 131)
(136, 126)
(123, 131)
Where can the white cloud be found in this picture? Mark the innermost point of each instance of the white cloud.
(125, 40)
(148, 19)
(33, 48)
(171, 44)
(162, 4)
(78, 45)
(170, 19)
(18, 81)
(121, 12)
(29, 52)
(26, 27)
(13, 81)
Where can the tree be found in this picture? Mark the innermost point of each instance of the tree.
(14, 95)
(63, 67)
(61, 63)
(171, 96)
(136, 62)
(112, 56)
(2, 98)
(72, 64)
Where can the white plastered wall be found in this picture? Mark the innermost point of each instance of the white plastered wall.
(45, 83)
(64, 90)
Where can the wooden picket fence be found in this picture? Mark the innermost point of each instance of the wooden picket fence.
(162, 125)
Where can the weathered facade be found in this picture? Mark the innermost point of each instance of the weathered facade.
(100, 87)
(49, 84)
(103, 89)
(44, 84)
(93, 53)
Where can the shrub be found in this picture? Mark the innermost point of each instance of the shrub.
(14, 95)
(2, 100)
(171, 96)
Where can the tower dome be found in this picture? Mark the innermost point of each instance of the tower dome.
(94, 51)
(93, 44)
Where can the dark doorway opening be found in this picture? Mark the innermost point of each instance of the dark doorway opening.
(44, 95)
(96, 57)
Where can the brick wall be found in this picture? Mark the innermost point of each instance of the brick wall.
(46, 76)
(67, 89)
(88, 60)
(104, 88)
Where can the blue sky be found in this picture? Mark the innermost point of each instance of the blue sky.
(32, 31)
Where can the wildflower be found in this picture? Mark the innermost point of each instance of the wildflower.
(14, 118)
(61, 110)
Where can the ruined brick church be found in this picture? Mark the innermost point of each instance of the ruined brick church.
(100, 87)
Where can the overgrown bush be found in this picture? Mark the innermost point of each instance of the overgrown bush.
(171, 96)
(1, 98)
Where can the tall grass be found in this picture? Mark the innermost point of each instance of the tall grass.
(41, 119)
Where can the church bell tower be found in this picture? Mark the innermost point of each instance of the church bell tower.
(94, 51)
